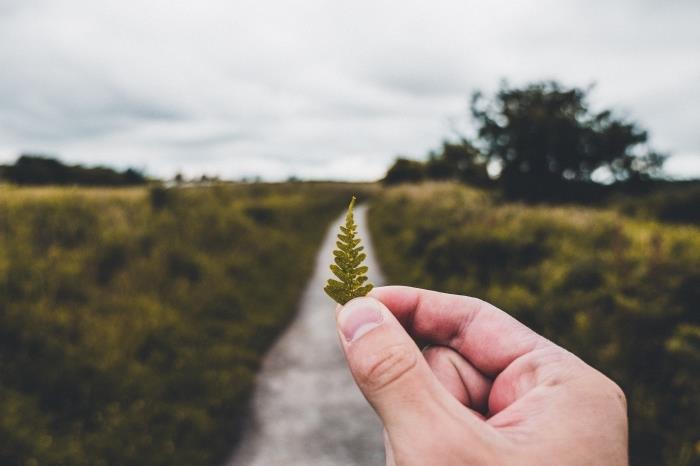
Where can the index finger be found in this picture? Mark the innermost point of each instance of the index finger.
(486, 336)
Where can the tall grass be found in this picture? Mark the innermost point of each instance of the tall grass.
(132, 321)
(621, 293)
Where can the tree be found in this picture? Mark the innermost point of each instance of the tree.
(457, 161)
(545, 136)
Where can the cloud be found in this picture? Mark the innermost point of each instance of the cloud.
(317, 88)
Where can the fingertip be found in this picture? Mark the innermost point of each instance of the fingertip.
(359, 316)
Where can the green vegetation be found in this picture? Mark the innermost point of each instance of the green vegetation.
(620, 292)
(348, 264)
(132, 321)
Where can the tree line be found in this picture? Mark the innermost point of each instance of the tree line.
(31, 169)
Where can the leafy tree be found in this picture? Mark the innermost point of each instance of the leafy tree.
(545, 135)
(348, 264)
(457, 161)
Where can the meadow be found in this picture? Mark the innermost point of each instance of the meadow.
(133, 321)
(619, 291)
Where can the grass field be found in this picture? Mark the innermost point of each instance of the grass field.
(622, 293)
(132, 321)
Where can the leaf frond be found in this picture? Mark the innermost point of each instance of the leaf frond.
(348, 268)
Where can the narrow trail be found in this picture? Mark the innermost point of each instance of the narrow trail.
(306, 409)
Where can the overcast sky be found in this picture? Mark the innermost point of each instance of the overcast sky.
(319, 88)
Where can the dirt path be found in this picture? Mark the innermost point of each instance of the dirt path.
(306, 408)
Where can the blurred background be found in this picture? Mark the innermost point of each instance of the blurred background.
(165, 165)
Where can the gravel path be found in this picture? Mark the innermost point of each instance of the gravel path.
(306, 408)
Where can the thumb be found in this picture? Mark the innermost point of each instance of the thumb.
(388, 367)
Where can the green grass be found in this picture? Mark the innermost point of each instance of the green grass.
(132, 321)
(622, 293)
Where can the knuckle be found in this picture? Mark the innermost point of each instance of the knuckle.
(618, 394)
(478, 302)
(433, 353)
(386, 366)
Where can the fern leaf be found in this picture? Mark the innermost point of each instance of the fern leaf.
(338, 272)
(348, 260)
(361, 270)
(335, 284)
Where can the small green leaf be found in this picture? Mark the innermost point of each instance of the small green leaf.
(361, 270)
(348, 260)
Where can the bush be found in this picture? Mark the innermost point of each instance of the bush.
(675, 202)
(404, 171)
(131, 329)
(621, 293)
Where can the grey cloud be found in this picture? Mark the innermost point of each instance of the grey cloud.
(317, 88)
(424, 76)
(63, 121)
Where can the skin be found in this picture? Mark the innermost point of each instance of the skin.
(488, 391)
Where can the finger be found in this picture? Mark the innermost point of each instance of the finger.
(487, 337)
(548, 368)
(469, 386)
(389, 368)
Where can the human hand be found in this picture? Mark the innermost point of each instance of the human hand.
(490, 392)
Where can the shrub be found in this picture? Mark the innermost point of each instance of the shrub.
(622, 293)
(131, 329)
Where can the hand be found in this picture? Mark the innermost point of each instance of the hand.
(490, 392)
